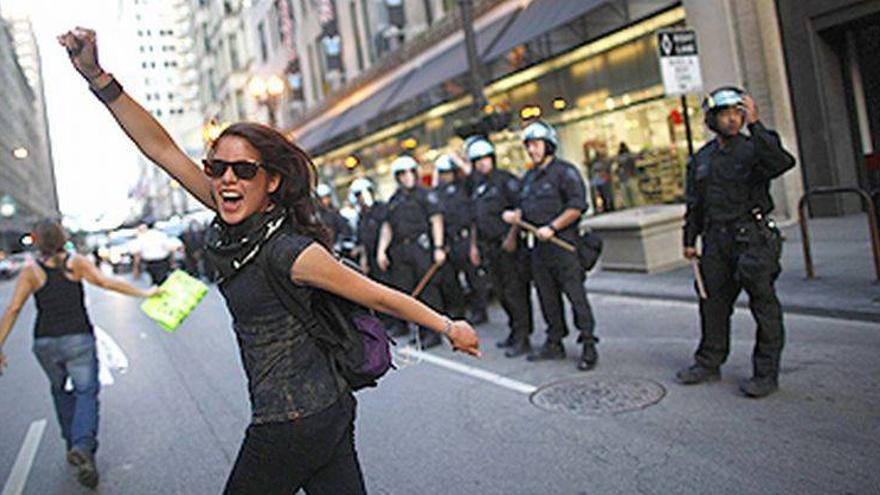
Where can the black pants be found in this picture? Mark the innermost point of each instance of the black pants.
(409, 263)
(315, 453)
(736, 257)
(556, 272)
(511, 276)
(158, 270)
(458, 262)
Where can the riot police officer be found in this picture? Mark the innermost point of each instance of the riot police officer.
(411, 237)
(553, 198)
(500, 245)
(728, 200)
(330, 216)
(371, 214)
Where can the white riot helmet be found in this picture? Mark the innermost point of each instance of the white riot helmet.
(445, 163)
(361, 187)
(479, 148)
(403, 163)
(323, 190)
(544, 131)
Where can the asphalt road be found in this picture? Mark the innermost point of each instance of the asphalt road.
(172, 421)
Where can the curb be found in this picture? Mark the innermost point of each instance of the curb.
(838, 314)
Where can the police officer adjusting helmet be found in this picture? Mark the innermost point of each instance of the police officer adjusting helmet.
(323, 190)
(444, 164)
(404, 163)
(480, 148)
(544, 131)
(721, 98)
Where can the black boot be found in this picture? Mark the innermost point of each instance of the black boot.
(520, 348)
(589, 356)
(430, 339)
(759, 387)
(550, 350)
(502, 344)
(478, 317)
(697, 373)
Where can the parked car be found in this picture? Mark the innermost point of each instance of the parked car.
(12, 264)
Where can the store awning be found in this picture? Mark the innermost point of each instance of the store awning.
(317, 135)
(539, 17)
(370, 107)
(447, 64)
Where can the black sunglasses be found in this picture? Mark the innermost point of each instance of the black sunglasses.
(242, 169)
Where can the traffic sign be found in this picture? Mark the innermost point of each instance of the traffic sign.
(679, 61)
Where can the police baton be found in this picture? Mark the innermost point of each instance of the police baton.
(555, 240)
(701, 285)
(426, 279)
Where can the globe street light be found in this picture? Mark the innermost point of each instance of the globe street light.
(7, 210)
(20, 153)
(267, 91)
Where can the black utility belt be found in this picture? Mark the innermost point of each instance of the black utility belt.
(421, 239)
(459, 234)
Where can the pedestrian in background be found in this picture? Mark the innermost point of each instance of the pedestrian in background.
(728, 202)
(154, 252)
(262, 187)
(627, 175)
(64, 339)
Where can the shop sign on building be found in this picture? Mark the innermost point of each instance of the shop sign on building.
(679, 62)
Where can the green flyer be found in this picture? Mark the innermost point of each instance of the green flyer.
(181, 294)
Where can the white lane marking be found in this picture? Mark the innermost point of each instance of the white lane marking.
(110, 358)
(22, 467)
(409, 352)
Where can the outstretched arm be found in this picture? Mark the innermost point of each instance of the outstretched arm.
(92, 275)
(145, 131)
(25, 285)
(317, 268)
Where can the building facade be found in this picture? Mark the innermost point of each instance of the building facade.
(161, 32)
(589, 68)
(27, 178)
(831, 51)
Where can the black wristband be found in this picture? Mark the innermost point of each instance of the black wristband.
(108, 93)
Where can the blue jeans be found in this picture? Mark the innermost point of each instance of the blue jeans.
(73, 356)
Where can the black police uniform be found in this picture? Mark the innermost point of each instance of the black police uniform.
(728, 198)
(368, 229)
(332, 219)
(411, 249)
(546, 192)
(458, 218)
(510, 272)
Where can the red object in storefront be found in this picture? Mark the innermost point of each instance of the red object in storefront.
(872, 161)
(426, 181)
(676, 117)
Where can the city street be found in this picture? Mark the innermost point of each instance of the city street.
(172, 421)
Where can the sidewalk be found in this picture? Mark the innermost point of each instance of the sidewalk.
(844, 287)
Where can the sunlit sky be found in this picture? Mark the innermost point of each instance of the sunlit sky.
(95, 164)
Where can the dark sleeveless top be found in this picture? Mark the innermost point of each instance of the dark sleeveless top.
(289, 376)
(61, 307)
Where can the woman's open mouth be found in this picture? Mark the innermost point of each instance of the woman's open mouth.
(230, 201)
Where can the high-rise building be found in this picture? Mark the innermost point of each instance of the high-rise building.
(166, 85)
(27, 179)
(218, 35)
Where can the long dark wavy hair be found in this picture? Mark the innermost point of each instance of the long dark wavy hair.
(298, 176)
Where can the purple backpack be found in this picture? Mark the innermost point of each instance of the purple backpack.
(352, 335)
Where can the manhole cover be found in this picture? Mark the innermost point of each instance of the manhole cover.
(598, 396)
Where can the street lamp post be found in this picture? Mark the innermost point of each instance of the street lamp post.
(267, 92)
(7, 211)
(476, 75)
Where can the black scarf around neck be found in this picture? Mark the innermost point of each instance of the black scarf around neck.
(231, 247)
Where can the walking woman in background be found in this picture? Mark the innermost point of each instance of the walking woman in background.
(64, 340)
(261, 185)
